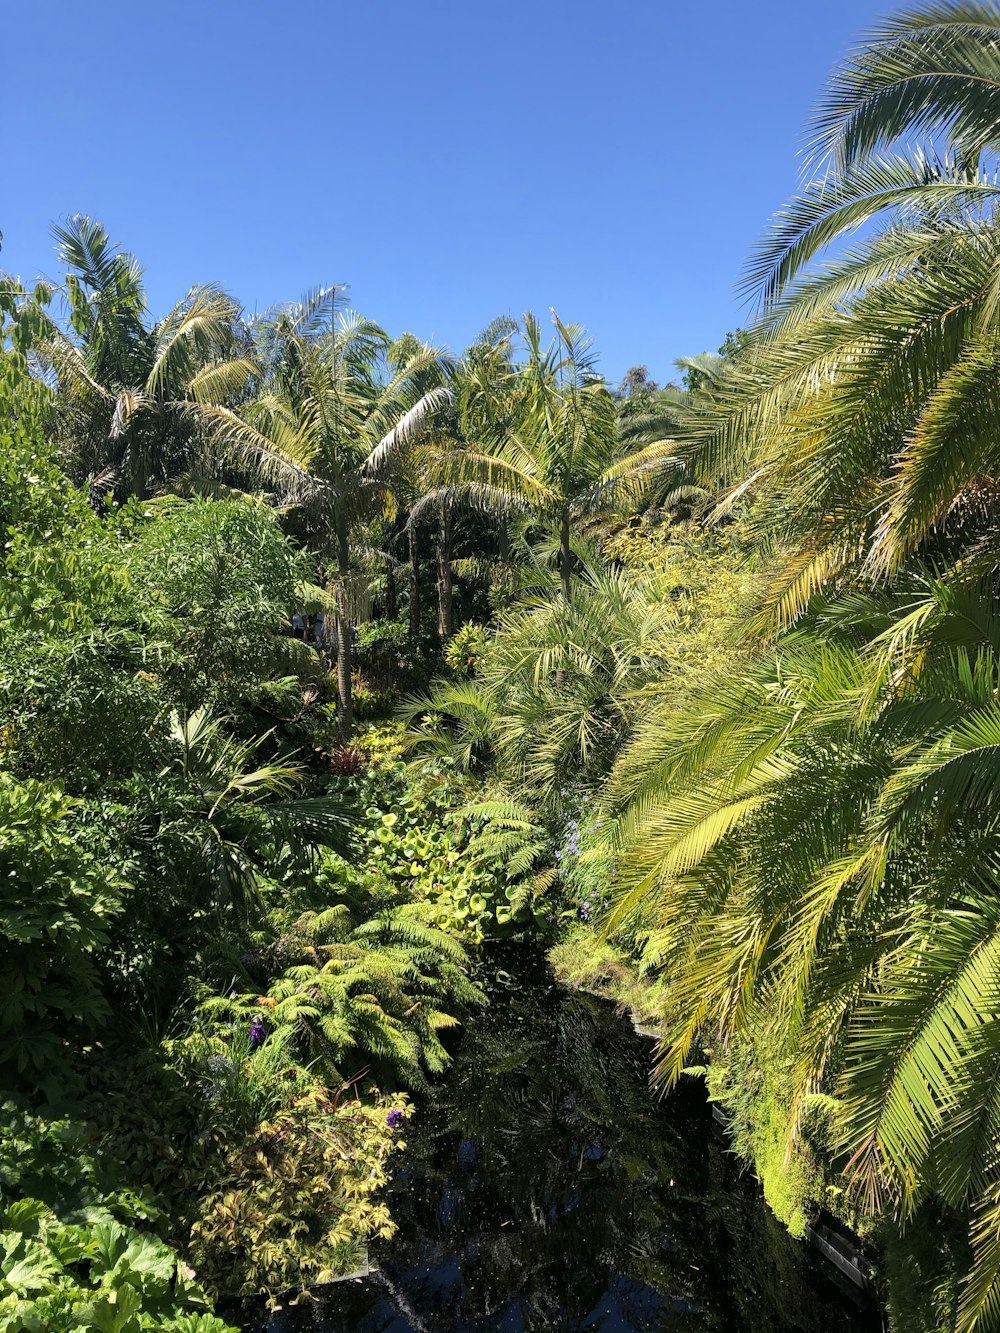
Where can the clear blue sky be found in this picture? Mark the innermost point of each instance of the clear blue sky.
(451, 161)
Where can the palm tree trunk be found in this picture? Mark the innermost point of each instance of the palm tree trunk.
(503, 542)
(411, 529)
(345, 711)
(391, 600)
(444, 585)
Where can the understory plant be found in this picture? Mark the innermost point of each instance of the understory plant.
(341, 995)
(295, 1200)
(77, 1254)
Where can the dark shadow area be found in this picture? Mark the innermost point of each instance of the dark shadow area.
(544, 1187)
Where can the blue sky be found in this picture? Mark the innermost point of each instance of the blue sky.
(451, 161)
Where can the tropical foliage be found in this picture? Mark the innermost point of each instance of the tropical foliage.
(697, 683)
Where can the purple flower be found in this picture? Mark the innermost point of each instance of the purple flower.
(394, 1119)
(258, 1032)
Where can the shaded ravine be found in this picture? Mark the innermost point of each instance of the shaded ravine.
(545, 1188)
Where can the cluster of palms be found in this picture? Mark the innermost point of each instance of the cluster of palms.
(361, 439)
(814, 843)
(810, 842)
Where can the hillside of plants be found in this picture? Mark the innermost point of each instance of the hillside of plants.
(329, 658)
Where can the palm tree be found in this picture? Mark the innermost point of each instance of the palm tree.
(815, 846)
(551, 702)
(403, 464)
(543, 440)
(136, 397)
(477, 384)
(863, 410)
(331, 404)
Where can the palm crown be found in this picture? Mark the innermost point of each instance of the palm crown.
(137, 398)
(864, 408)
(544, 438)
(332, 403)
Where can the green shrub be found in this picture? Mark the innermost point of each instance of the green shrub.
(383, 742)
(56, 903)
(218, 577)
(294, 1201)
(584, 959)
(414, 835)
(371, 704)
(465, 649)
(70, 1256)
(339, 996)
(752, 1079)
(58, 1278)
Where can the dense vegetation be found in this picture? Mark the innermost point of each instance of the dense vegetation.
(327, 656)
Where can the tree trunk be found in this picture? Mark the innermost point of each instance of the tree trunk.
(503, 542)
(345, 711)
(391, 601)
(411, 529)
(444, 588)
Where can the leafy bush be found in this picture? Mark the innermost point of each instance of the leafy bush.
(465, 649)
(35, 497)
(416, 835)
(389, 659)
(374, 992)
(294, 1201)
(148, 1118)
(222, 576)
(70, 1258)
(371, 703)
(582, 958)
(382, 742)
(752, 1079)
(56, 1277)
(56, 903)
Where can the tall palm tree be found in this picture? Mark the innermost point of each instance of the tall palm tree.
(477, 384)
(403, 463)
(136, 397)
(543, 440)
(331, 400)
